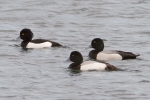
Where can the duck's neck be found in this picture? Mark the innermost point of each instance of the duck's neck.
(25, 41)
(99, 49)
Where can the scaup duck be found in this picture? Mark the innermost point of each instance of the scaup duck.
(26, 35)
(78, 64)
(100, 54)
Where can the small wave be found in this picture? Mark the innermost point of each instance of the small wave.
(145, 81)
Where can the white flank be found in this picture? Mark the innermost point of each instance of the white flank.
(92, 65)
(108, 55)
(38, 45)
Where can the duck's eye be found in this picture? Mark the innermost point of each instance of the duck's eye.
(22, 34)
(73, 55)
(94, 41)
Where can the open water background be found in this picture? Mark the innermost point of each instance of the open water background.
(42, 74)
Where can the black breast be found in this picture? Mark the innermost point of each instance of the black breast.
(93, 54)
(24, 44)
(73, 66)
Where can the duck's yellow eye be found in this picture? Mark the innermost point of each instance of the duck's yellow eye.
(94, 41)
(22, 34)
(72, 55)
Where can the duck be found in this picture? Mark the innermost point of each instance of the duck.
(26, 35)
(78, 63)
(108, 55)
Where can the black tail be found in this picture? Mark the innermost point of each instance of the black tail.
(128, 55)
(137, 55)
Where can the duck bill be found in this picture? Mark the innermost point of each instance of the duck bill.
(90, 46)
(104, 39)
(18, 38)
(68, 60)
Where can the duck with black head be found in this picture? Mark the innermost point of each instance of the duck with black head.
(26, 35)
(78, 63)
(106, 55)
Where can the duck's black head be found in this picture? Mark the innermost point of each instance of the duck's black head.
(26, 34)
(76, 57)
(97, 44)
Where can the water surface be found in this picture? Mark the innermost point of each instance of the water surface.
(42, 74)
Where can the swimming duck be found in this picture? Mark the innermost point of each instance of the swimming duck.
(79, 64)
(100, 54)
(26, 35)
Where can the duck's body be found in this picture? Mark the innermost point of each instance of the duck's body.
(78, 64)
(111, 55)
(39, 43)
(26, 35)
(100, 54)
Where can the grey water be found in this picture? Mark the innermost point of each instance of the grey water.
(42, 74)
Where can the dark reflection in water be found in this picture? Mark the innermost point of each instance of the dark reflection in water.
(42, 74)
(145, 81)
(74, 72)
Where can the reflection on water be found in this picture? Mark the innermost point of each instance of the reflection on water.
(39, 74)
(74, 72)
